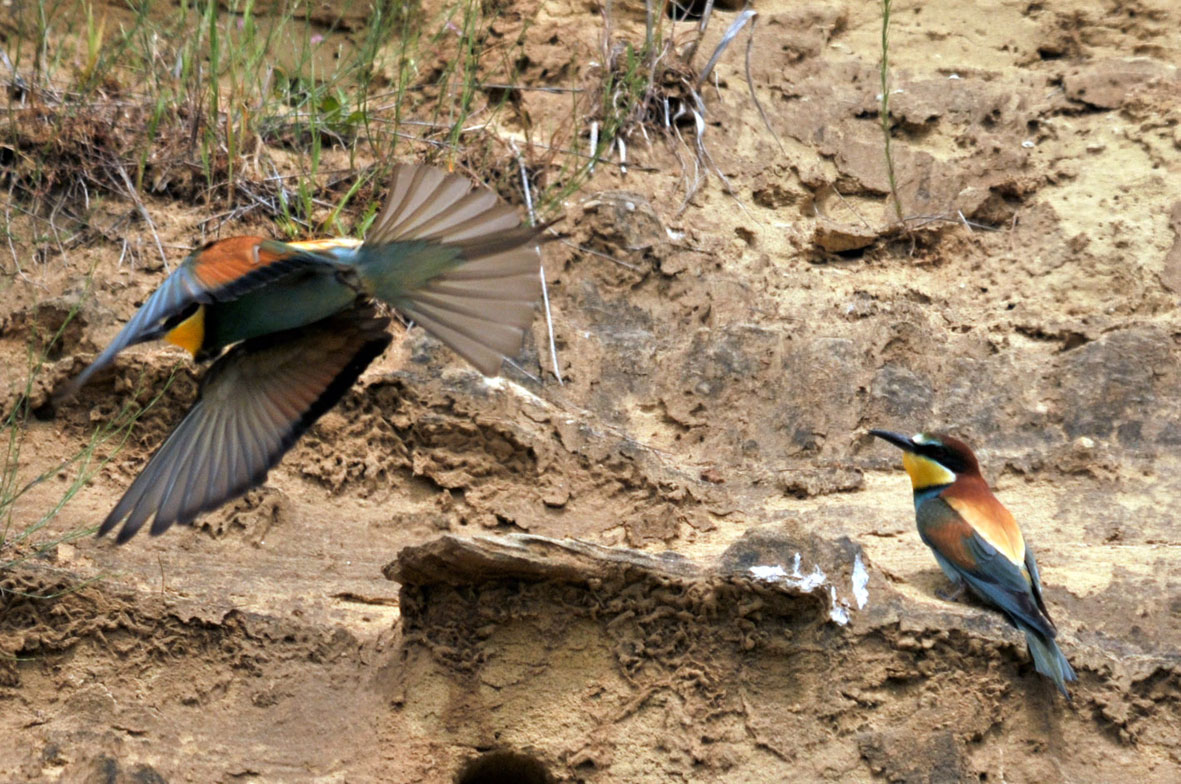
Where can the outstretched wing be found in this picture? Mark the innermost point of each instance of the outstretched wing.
(254, 403)
(219, 272)
(457, 261)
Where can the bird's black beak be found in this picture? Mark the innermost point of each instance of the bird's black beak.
(897, 439)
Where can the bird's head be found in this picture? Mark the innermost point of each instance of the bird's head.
(932, 459)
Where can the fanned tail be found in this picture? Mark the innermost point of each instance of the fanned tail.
(456, 261)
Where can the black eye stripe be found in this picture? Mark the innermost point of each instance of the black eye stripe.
(944, 456)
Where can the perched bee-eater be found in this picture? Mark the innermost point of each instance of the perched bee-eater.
(977, 542)
(291, 326)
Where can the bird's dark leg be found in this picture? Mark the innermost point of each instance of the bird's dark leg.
(349, 277)
(952, 593)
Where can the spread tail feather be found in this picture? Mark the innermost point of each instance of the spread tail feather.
(456, 261)
(1049, 660)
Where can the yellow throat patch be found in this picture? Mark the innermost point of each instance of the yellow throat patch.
(925, 472)
(190, 333)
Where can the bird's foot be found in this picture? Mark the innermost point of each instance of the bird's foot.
(953, 593)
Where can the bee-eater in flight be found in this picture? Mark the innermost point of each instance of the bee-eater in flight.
(977, 542)
(291, 325)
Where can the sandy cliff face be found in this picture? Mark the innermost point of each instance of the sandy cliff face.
(722, 359)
